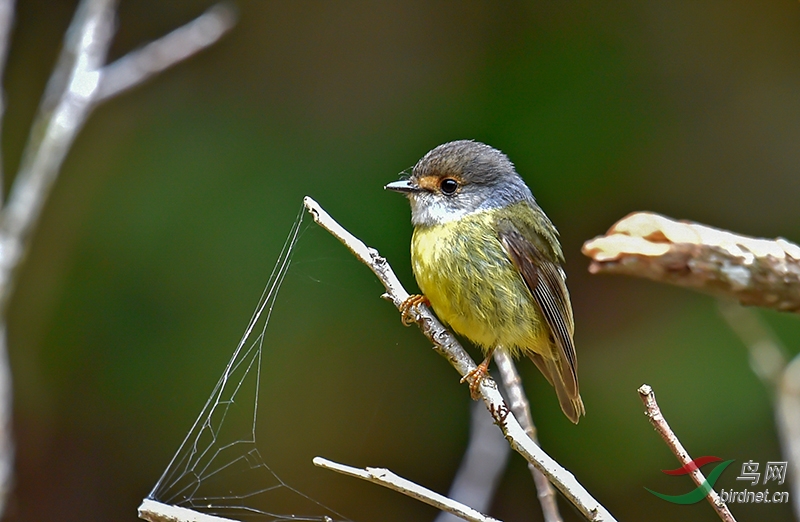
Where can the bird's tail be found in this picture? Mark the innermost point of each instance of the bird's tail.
(568, 395)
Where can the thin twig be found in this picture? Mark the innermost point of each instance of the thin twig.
(137, 66)
(756, 272)
(662, 427)
(386, 478)
(447, 346)
(481, 466)
(154, 511)
(521, 409)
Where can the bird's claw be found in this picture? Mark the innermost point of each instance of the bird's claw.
(407, 307)
(475, 377)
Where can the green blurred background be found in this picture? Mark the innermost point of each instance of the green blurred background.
(176, 198)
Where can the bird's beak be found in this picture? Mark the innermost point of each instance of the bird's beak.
(402, 186)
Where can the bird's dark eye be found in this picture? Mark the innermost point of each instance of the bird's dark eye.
(448, 186)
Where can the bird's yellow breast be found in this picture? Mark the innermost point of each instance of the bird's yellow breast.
(464, 271)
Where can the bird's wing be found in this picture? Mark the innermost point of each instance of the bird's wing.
(545, 280)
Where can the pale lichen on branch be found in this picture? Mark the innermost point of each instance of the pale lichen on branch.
(756, 272)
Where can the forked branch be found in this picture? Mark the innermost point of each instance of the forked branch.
(757, 272)
(522, 411)
(448, 347)
(79, 82)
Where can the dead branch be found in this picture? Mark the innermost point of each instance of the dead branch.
(662, 427)
(755, 272)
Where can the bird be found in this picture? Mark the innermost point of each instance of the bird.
(488, 261)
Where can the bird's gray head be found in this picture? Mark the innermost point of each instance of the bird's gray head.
(459, 178)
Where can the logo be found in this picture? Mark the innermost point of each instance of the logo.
(773, 472)
(700, 492)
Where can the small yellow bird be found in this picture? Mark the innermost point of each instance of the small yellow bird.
(488, 261)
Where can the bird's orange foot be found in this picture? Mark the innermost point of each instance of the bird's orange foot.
(476, 377)
(408, 306)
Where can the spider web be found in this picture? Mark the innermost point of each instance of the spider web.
(218, 468)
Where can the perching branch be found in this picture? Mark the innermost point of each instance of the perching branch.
(662, 427)
(521, 409)
(481, 467)
(756, 272)
(386, 478)
(447, 346)
(485, 457)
